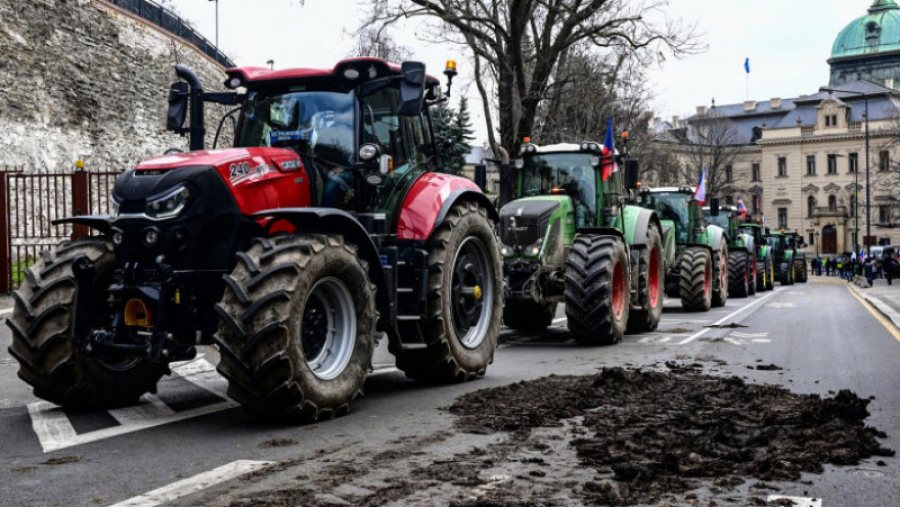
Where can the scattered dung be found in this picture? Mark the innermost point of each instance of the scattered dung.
(650, 434)
(277, 442)
(64, 460)
(768, 367)
(725, 326)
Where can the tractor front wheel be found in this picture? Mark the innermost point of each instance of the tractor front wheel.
(43, 325)
(752, 272)
(720, 277)
(528, 316)
(465, 298)
(597, 281)
(651, 283)
(696, 279)
(297, 327)
(738, 275)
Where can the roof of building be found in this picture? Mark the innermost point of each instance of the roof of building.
(876, 32)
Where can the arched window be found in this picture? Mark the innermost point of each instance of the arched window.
(810, 206)
(832, 203)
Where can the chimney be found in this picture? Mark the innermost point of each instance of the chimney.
(749, 105)
(701, 110)
(775, 103)
(889, 83)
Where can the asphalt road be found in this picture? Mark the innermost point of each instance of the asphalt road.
(821, 335)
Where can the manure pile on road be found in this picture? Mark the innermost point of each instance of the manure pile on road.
(650, 434)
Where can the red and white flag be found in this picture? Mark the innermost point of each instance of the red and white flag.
(700, 193)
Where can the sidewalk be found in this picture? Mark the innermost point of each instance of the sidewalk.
(885, 298)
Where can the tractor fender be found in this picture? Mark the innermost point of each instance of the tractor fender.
(100, 223)
(600, 231)
(637, 225)
(333, 221)
(714, 237)
(429, 200)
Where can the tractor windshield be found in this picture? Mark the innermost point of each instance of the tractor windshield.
(671, 206)
(317, 123)
(721, 219)
(563, 173)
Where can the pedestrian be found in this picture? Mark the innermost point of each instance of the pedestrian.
(827, 267)
(888, 264)
(869, 268)
(819, 266)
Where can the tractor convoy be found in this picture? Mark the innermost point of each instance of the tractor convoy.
(324, 226)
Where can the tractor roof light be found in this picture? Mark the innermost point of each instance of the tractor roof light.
(529, 148)
(450, 69)
(234, 82)
(368, 152)
(351, 74)
(519, 163)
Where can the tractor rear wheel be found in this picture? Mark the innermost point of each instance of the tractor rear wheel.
(753, 271)
(770, 276)
(597, 298)
(738, 275)
(800, 271)
(720, 276)
(43, 324)
(651, 283)
(528, 316)
(762, 275)
(465, 295)
(297, 328)
(696, 279)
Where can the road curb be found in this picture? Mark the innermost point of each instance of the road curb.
(879, 305)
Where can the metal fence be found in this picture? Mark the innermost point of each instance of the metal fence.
(170, 22)
(29, 203)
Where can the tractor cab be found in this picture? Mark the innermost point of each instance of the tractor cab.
(676, 208)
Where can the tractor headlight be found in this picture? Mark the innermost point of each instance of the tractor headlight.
(113, 208)
(504, 250)
(170, 205)
(535, 250)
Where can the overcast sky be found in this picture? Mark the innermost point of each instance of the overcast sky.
(787, 41)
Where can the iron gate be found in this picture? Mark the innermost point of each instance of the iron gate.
(29, 203)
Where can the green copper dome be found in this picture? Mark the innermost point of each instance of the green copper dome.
(876, 32)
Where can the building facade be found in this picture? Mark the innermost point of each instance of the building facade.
(802, 163)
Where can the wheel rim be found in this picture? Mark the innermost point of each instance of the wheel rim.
(328, 331)
(618, 291)
(653, 282)
(471, 292)
(706, 280)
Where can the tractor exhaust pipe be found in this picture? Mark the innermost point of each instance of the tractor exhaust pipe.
(197, 130)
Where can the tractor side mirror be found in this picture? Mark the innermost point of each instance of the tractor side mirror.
(506, 184)
(412, 89)
(632, 174)
(178, 104)
(768, 231)
(714, 206)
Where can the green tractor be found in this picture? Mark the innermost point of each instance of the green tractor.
(568, 236)
(801, 263)
(742, 259)
(696, 253)
(765, 256)
(782, 244)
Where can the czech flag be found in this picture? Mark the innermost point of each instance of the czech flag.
(609, 152)
(741, 208)
(700, 193)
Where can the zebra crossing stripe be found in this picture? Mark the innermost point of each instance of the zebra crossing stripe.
(797, 501)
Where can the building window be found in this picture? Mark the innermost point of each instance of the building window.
(854, 162)
(812, 238)
(884, 214)
(810, 206)
(832, 203)
(754, 176)
(810, 165)
(756, 202)
(729, 173)
(834, 120)
(782, 167)
(832, 164)
(828, 121)
(782, 218)
(884, 160)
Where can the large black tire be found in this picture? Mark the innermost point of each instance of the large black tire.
(696, 279)
(738, 275)
(752, 271)
(528, 316)
(787, 278)
(651, 284)
(597, 296)
(762, 274)
(465, 295)
(800, 270)
(297, 328)
(720, 277)
(43, 324)
(770, 277)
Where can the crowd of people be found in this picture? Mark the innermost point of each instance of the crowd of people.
(886, 266)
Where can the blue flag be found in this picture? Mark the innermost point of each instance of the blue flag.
(747, 65)
(609, 152)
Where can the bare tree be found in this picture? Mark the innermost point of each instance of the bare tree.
(712, 141)
(376, 42)
(517, 44)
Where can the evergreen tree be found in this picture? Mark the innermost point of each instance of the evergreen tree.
(453, 132)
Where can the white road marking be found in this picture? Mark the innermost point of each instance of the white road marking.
(781, 305)
(798, 501)
(55, 431)
(561, 319)
(750, 335)
(7, 311)
(702, 332)
(194, 484)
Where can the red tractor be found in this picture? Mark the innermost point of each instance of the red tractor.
(323, 227)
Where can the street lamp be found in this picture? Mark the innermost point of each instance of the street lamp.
(865, 97)
(217, 23)
(817, 244)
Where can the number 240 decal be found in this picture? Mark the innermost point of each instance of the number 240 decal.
(240, 169)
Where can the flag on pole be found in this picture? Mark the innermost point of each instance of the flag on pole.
(758, 204)
(741, 208)
(700, 193)
(747, 65)
(609, 152)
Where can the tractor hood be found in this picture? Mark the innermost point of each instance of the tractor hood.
(280, 158)
(523, 222)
